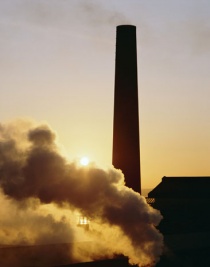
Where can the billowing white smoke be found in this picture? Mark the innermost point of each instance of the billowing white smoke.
(43, 192)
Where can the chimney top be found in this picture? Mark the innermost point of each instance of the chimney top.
(126, 26)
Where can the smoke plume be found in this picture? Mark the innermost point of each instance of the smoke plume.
(42, 193)
(97, 14)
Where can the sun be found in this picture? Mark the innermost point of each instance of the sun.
(84, 161)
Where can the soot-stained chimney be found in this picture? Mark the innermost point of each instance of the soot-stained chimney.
(126, 152)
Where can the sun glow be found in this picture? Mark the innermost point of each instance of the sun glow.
(84, 161)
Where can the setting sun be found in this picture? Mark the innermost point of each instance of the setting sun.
(84, 161)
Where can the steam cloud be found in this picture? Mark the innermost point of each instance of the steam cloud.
(42, 192)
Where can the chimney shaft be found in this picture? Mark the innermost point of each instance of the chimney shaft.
(126, 152)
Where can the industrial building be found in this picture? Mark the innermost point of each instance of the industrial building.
(184, 202)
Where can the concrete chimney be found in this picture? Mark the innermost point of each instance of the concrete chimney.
(126, 151)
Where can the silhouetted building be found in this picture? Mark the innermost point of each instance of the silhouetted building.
(184, 203)
(126, 152)
(182, 187)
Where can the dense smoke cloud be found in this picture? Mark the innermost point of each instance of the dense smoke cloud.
(21, 225)
(35, 177)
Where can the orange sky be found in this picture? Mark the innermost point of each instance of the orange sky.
(57, 65)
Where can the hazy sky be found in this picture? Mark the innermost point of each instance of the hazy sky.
(57, 65)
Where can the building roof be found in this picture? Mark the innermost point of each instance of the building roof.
(182, 187)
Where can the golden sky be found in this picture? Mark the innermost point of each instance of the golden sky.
(57, 66)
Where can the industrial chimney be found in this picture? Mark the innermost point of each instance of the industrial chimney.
(126, 152)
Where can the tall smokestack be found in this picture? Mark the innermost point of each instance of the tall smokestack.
(126, 152)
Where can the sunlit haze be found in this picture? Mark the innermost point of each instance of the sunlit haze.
(57, 62)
